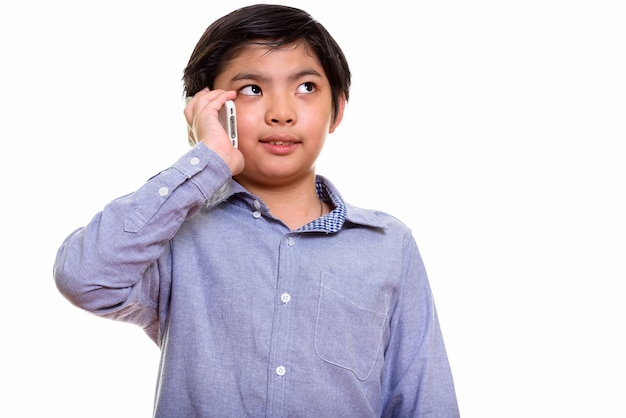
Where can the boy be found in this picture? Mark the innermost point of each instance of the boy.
(267, 293)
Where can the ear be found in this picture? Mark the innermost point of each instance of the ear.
(340, 108)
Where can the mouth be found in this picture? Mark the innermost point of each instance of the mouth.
(280, 139)
(280, 144)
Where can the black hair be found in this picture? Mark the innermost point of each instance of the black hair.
(272, 25)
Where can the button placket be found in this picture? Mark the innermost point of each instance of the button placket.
(257, 206)
(282, 323)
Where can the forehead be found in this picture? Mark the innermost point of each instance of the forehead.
(260, 54)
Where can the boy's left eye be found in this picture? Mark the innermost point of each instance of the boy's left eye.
(306, 88)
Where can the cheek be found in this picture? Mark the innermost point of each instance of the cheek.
(322, 117)
(317, 124)
(246, 124)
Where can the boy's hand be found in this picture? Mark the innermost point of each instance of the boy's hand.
(204, 126)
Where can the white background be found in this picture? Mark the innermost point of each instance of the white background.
(494, 129)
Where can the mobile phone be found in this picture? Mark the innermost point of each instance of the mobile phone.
(227, 116)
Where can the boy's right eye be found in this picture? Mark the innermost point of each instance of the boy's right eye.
(250, 90)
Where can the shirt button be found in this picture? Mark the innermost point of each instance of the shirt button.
(257, 204)
(163, 191)
(285, 297)
(280, 370)
(256, 214)
(291, 242)
(194, 161)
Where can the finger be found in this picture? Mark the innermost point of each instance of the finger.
(191, 102)
(191, 137)
(201, 113)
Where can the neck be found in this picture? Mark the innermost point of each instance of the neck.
(295, 207)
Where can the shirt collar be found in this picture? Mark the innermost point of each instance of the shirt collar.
(353, 214)
(330, 223)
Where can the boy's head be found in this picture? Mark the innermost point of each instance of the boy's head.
(270, 25)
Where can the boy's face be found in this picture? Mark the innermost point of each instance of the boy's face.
(284, 112)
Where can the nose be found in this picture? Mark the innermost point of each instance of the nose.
(280, 111)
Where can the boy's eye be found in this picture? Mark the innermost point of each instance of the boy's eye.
(306, 88)
(251, 90)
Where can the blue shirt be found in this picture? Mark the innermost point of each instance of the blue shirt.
(335, 319)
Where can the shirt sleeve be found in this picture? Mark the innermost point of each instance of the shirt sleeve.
(109, 267)
(418, 380)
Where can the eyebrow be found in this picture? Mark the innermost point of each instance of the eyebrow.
(259, 77)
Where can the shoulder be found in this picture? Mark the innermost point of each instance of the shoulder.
(375, 218)
(358, 215)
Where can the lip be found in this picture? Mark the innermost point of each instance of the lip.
(280, 144)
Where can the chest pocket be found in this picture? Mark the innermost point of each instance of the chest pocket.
(350, 323)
